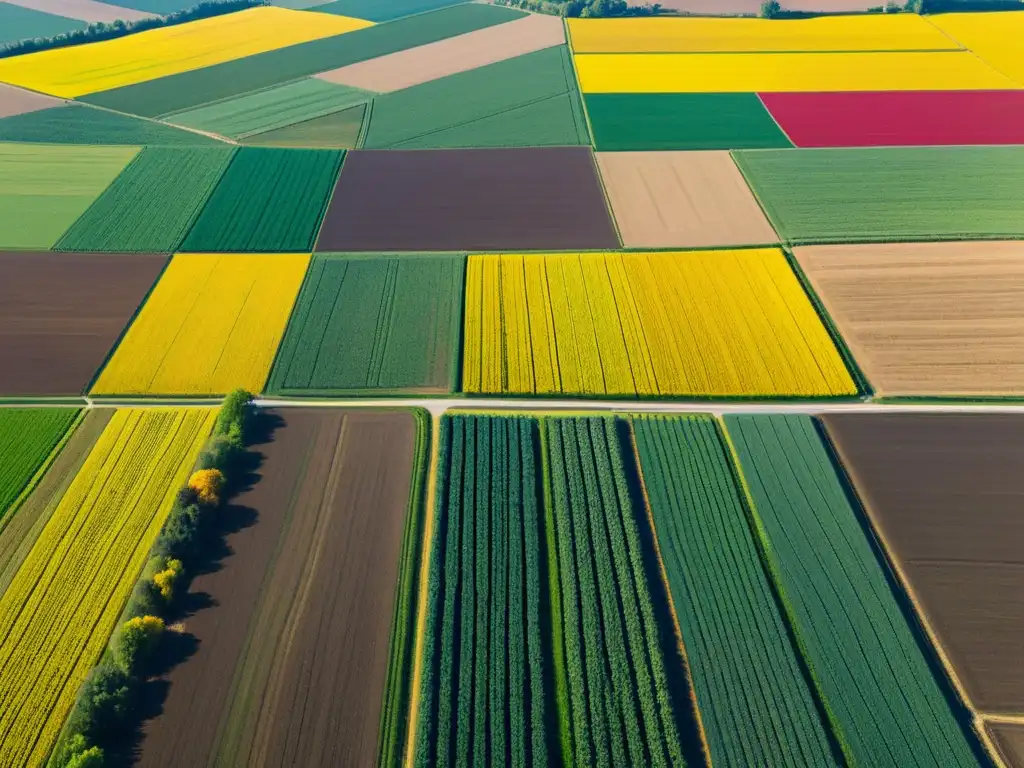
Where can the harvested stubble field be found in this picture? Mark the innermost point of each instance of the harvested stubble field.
(268, 200)
(939, 319)
(870, 665)
(62, 313)
(61, 606)
(16, 101)
(291, 656)
(156, 53)
(693, 121)
(212, 324)
(530, 100)
(902, 193)
(474, 199)
(698, 324)
(899, 118)
(27, 437)
(756, 704)
(79, 124)
(176, 93)
(682, 200)
(374, 323)
(44, 188)
(486, 694)
(944, 491)
(1009, 740)
(152, 204)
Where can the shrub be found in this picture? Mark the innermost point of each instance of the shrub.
(770, 9)
(107, 703)
(222, 452)
(167, 580)
(233, 411)
(87, 758)
(207, 483)
(181, 535)
(136, 641)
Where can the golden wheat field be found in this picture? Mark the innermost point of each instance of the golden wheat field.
(723, 323)
(212, 324)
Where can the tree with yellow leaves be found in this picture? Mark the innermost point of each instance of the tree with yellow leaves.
(207, 484)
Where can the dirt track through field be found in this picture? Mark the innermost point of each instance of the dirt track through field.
(945, 492)
(927, 318)
(292, 651)
(682, 199)
(448, 57)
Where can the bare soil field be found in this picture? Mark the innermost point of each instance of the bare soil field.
(84, 10)
(945, 491)
(448, 57)
(1009, 740)
(546, 198)
(17, 101)
(291, 646)
(684, 199)
(62, 313)
(927, 318)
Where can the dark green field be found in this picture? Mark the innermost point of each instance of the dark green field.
(376, 10)
(75, 124)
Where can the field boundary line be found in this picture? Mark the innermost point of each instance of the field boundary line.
(1002, 717)
(777, 124)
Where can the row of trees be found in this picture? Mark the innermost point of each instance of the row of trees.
(106, 708)
(584, 8)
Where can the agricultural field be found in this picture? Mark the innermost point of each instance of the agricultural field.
(27, 438)
(682, 200)
(17, 101)
(755, 702)
(61, 606)
(152, 204)
(373, 10)
(547, 324)
(927, 319)
(44, 188)
(61, 314)
(943, 492)
(212, 324)
(268, 200)
(18, 23)
(889, 194)
(78, 124)
(338, 130)
(1009, 740)
(886, 700)
(486, 692)
(281, 673)
(387, 323)
(992, 37)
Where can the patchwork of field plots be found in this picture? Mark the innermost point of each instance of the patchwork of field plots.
(79, 124)
(726, 324)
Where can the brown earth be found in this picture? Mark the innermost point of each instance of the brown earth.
(946, 493)
(682, 199)
(546, 198)
(927, 318)
(448, 57)
(1009, 740)
(17, 101)
(84, 10)
(291, 654)
(19, 531)
(62, 313)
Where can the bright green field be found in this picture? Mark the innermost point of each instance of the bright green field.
(905, 193)
(269, 200)
(886, 704)
(76, 124)
(27, 437)
(44, 188)
(152, 204)
(374, 323)
(756, 706)
(530, 100)
(273, 108)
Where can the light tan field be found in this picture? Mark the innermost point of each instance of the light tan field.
(927, 318)
(448, 57)
(18, 101)
(84, 10)
(1009, 740)
(682, 199)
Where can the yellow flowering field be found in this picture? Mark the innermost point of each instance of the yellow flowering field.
(212, 324)
(61, 607)
(708, 323)
(996, 38)
(82, 69)
(694, 34)
(767, 72)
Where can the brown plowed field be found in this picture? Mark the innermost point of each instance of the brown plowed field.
(682, 199)
(1009, 740)
(61, 313)
(15, 101)
(946, 493)
(927, 318)
(292, 652)
(546, 198)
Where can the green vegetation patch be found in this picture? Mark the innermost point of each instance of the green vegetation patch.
(44, 188)
(76, 124)
(269, 200)
(755, 703)
(17, 23)
(176, 93)
(669, 121)
(273, 108)
(338, 130)
(903, 193)
(27, 437)
(159, 7)
(375, 10)
(530, 100)
(885, 701)
(374, 323)
(151, 206)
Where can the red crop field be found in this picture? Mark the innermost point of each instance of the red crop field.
(899, 118)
